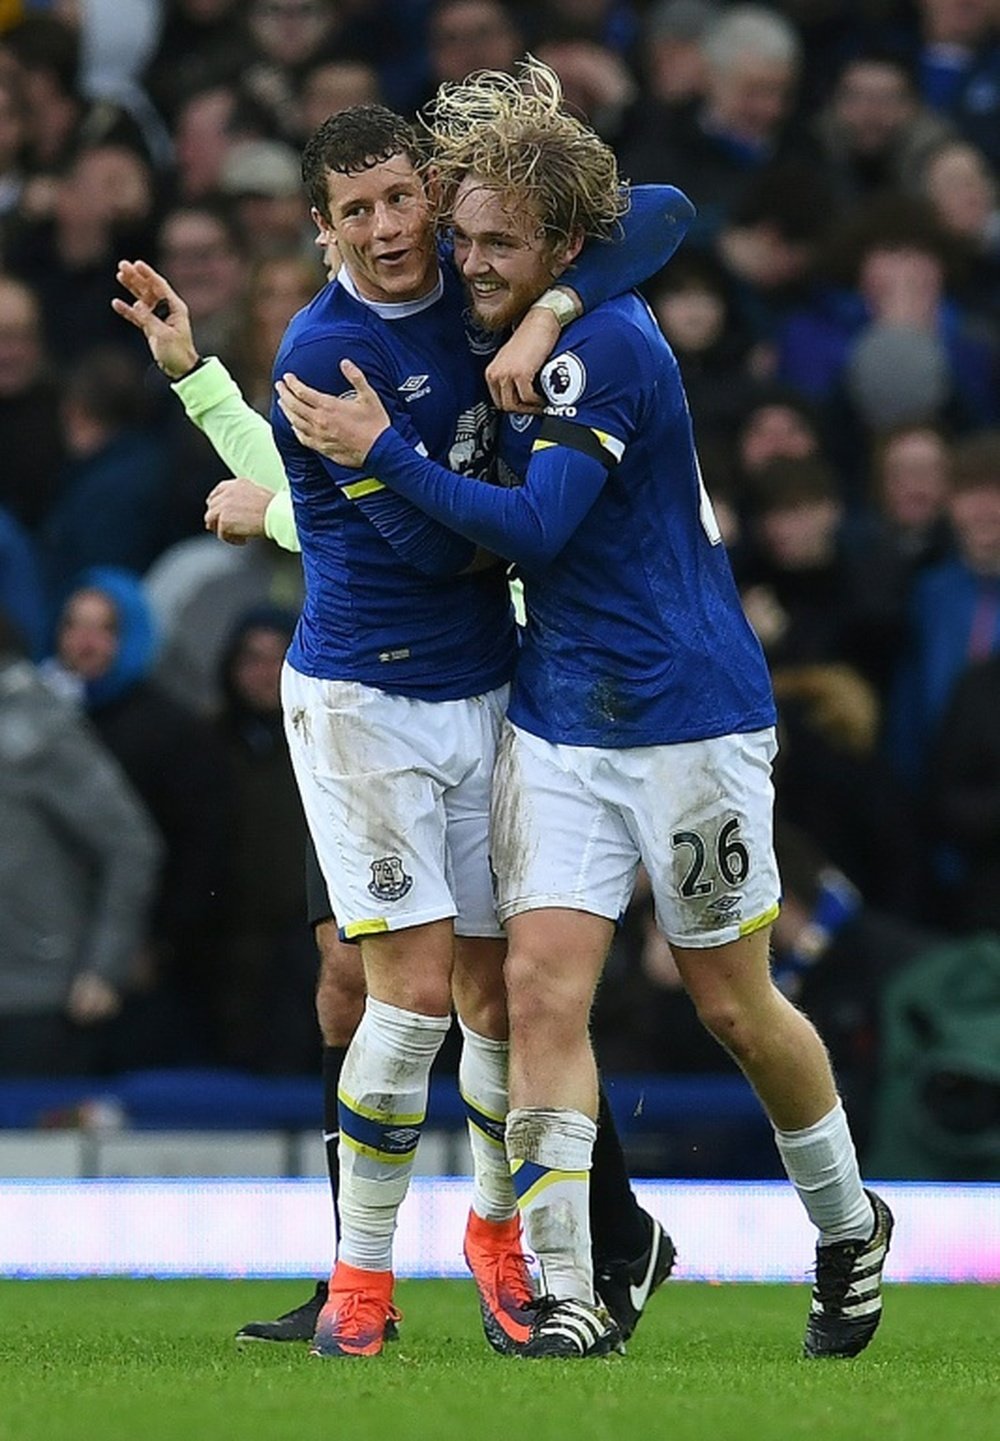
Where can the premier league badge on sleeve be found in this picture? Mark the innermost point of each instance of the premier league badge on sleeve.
(564, 379)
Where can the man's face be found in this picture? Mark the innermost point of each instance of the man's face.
(472, 35)
(257, 669)
(20, 339)
(872, 104)
(290, 31)
(198, 258)
(797, 537)
(502, 252)
(975, 515)
(383, 229)
(751, 99)
(88, 635)
(775, 432)
(914, 478)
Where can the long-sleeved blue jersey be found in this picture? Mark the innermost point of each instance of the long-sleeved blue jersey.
(386, 602)
(635, 633)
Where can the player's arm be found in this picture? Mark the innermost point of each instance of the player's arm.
(418, 539)
(212, 400)
(529, 524)
(652, 228)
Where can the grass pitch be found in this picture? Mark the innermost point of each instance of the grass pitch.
(115, 1360)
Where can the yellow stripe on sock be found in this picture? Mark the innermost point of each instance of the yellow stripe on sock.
(369, 1113)
(385, 1157)
(551, 1178)
(485, 1134)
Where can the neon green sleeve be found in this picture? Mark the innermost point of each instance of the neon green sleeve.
(279, 521)
(241, 438)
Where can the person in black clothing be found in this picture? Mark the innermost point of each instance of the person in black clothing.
(964, 781)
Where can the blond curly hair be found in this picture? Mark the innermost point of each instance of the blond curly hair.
(512, 133)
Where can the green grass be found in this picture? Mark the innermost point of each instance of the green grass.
(114, 1360)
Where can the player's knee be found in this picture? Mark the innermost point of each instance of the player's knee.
(339, 1014)
(340, 989)
(541, 999)
(731, 1025)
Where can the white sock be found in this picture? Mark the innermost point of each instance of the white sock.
(382, 1100)
(550, 1154)
(823, 1168)
(482, 1080)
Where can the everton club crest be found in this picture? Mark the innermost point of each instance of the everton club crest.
(389, 881)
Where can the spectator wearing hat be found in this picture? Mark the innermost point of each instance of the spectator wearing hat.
(263, 180)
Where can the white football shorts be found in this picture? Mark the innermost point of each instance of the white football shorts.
(570, 825)
(396, 794)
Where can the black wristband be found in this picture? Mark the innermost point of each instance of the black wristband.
(174, 379)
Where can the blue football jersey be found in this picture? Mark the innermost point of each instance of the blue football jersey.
(635, 632)
(385, 603)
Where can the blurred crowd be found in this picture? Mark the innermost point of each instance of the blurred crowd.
(836, 316)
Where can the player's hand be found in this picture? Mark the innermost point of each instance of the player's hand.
(235, 510)
(91, 999)
(511, 373)
(159, 312)
(342, 427)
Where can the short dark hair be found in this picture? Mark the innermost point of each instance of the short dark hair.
(787, 483)
(354, 140)
(792, 198)
(887, 57)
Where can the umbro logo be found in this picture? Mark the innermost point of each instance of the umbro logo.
(414, 387)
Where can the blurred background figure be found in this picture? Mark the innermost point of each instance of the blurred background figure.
(962, 187)
(875, 133)
(113, 505)
(212, 119)
(30, 439)
(202, 252)
(963, 776)
(333, 86)
(265, 959)
(712, 146)
(78, 865)
(467, 35)
(954, 608)
(263, 180)
(279, 285)
(103, 660)
(102, 204)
